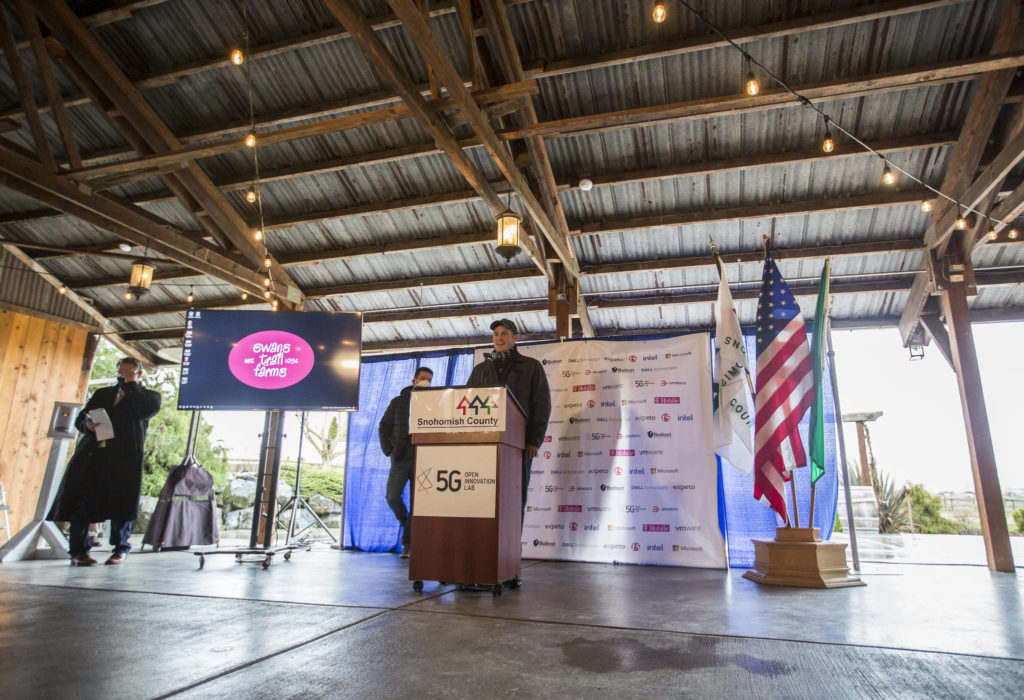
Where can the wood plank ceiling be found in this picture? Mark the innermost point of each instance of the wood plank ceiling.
(390, 133)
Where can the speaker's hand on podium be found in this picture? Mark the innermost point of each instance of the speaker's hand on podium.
(531, 451)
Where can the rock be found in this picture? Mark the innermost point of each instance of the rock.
(333, 522)
(147, 504)
(240, 492)
(322, 505)
(284, 492)
(230, 519)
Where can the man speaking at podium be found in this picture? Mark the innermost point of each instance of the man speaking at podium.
(525, 378)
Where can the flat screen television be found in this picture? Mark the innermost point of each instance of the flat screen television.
(263, 360)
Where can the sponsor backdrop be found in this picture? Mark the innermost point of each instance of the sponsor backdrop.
(626, 472)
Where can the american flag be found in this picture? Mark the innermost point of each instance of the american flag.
(784, 389)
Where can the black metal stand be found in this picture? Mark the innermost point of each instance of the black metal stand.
(263, 520)
(297, 501)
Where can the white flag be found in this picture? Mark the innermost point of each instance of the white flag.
(734, 418)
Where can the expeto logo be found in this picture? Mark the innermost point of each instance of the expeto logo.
(476, 404)
(621, 453)
(666, 399)
(584, 387)
(573, 404)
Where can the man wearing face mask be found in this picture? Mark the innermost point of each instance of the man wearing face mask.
(393, 432)
(103, 480)
(525, 378)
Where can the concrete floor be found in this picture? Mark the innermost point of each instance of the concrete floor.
(346, 624)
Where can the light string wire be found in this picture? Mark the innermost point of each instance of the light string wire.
(806, 102)
(255, 155)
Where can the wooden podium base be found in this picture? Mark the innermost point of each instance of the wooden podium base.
(797, 557)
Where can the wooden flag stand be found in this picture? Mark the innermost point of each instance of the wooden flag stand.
(798, 557)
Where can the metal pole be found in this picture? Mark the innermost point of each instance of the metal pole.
(842, 452)
(298, 480)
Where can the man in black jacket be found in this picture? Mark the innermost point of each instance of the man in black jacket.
(525, 378)
(103, 480)
(393, 432)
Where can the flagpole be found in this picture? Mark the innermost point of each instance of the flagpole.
(842, 451)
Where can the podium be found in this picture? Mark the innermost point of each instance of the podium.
(466, 518)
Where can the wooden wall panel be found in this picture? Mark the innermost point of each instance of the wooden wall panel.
(41, 362)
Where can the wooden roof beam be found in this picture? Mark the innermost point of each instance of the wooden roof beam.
(381, 57)
(87, 52)
(35, 125)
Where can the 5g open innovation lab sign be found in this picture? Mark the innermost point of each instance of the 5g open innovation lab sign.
(458, 483)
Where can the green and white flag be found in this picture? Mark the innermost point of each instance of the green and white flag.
(733, 416)
(817, 426)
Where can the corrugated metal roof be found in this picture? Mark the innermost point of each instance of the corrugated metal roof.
(186, 32)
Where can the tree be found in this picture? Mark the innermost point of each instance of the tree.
(928, 513)
(329, 441)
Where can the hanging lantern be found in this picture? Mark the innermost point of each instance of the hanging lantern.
(509, 224)
(141, 279)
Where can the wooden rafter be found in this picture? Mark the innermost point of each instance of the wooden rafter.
(87, 52)
(380, 57)
(43, 152)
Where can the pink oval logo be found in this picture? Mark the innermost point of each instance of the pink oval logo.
(271, 359)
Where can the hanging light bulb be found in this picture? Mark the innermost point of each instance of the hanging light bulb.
(191, 297)
(961, 222)
(245, 296)
(266, 262)
(926, 205)
(258, 234)
(1012, 235)
(250, 196)
(993, 235)
(62, 289)
(659, 13)
(237, 57)
(828, 145)
(266, 281)
(127, 296)
(274, 304)
(888, 177)
(752, 87)
(266, 294)
(250, 140)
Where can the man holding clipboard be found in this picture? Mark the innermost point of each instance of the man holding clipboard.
(104, 477)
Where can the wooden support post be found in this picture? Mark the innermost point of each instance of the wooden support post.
(979, 439)
(865, 471)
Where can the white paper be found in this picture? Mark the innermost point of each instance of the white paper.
(103, 427)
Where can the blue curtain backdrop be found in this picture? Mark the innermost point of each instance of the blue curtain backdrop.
(370, 526)
(368, 523)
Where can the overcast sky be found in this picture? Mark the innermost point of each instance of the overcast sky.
(920, 437)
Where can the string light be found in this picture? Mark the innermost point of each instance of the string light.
(191, 297)
(274, 304)
(926, 205)
(127, 296)
(828, 145)
(961, 222)
(266, 281)
(237, 57)
(257, 234)
(266, 294)
(659, 13)
(888, 177)
(250, 196)
(266, 262)
(250, 140)
(62, 289)
(245, 296)
(752, 86)
(993, 235)
(1012, 235)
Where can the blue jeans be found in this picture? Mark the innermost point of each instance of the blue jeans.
(78, 535)
(401, 474)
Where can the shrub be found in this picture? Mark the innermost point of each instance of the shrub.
(928, 513)
(892, 504)
(1018, 519)
(326, 482)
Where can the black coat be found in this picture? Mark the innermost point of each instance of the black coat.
(525, 377)
(106, 482)
(393, 430)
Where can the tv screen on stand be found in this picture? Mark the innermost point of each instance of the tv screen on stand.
(264, 360)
